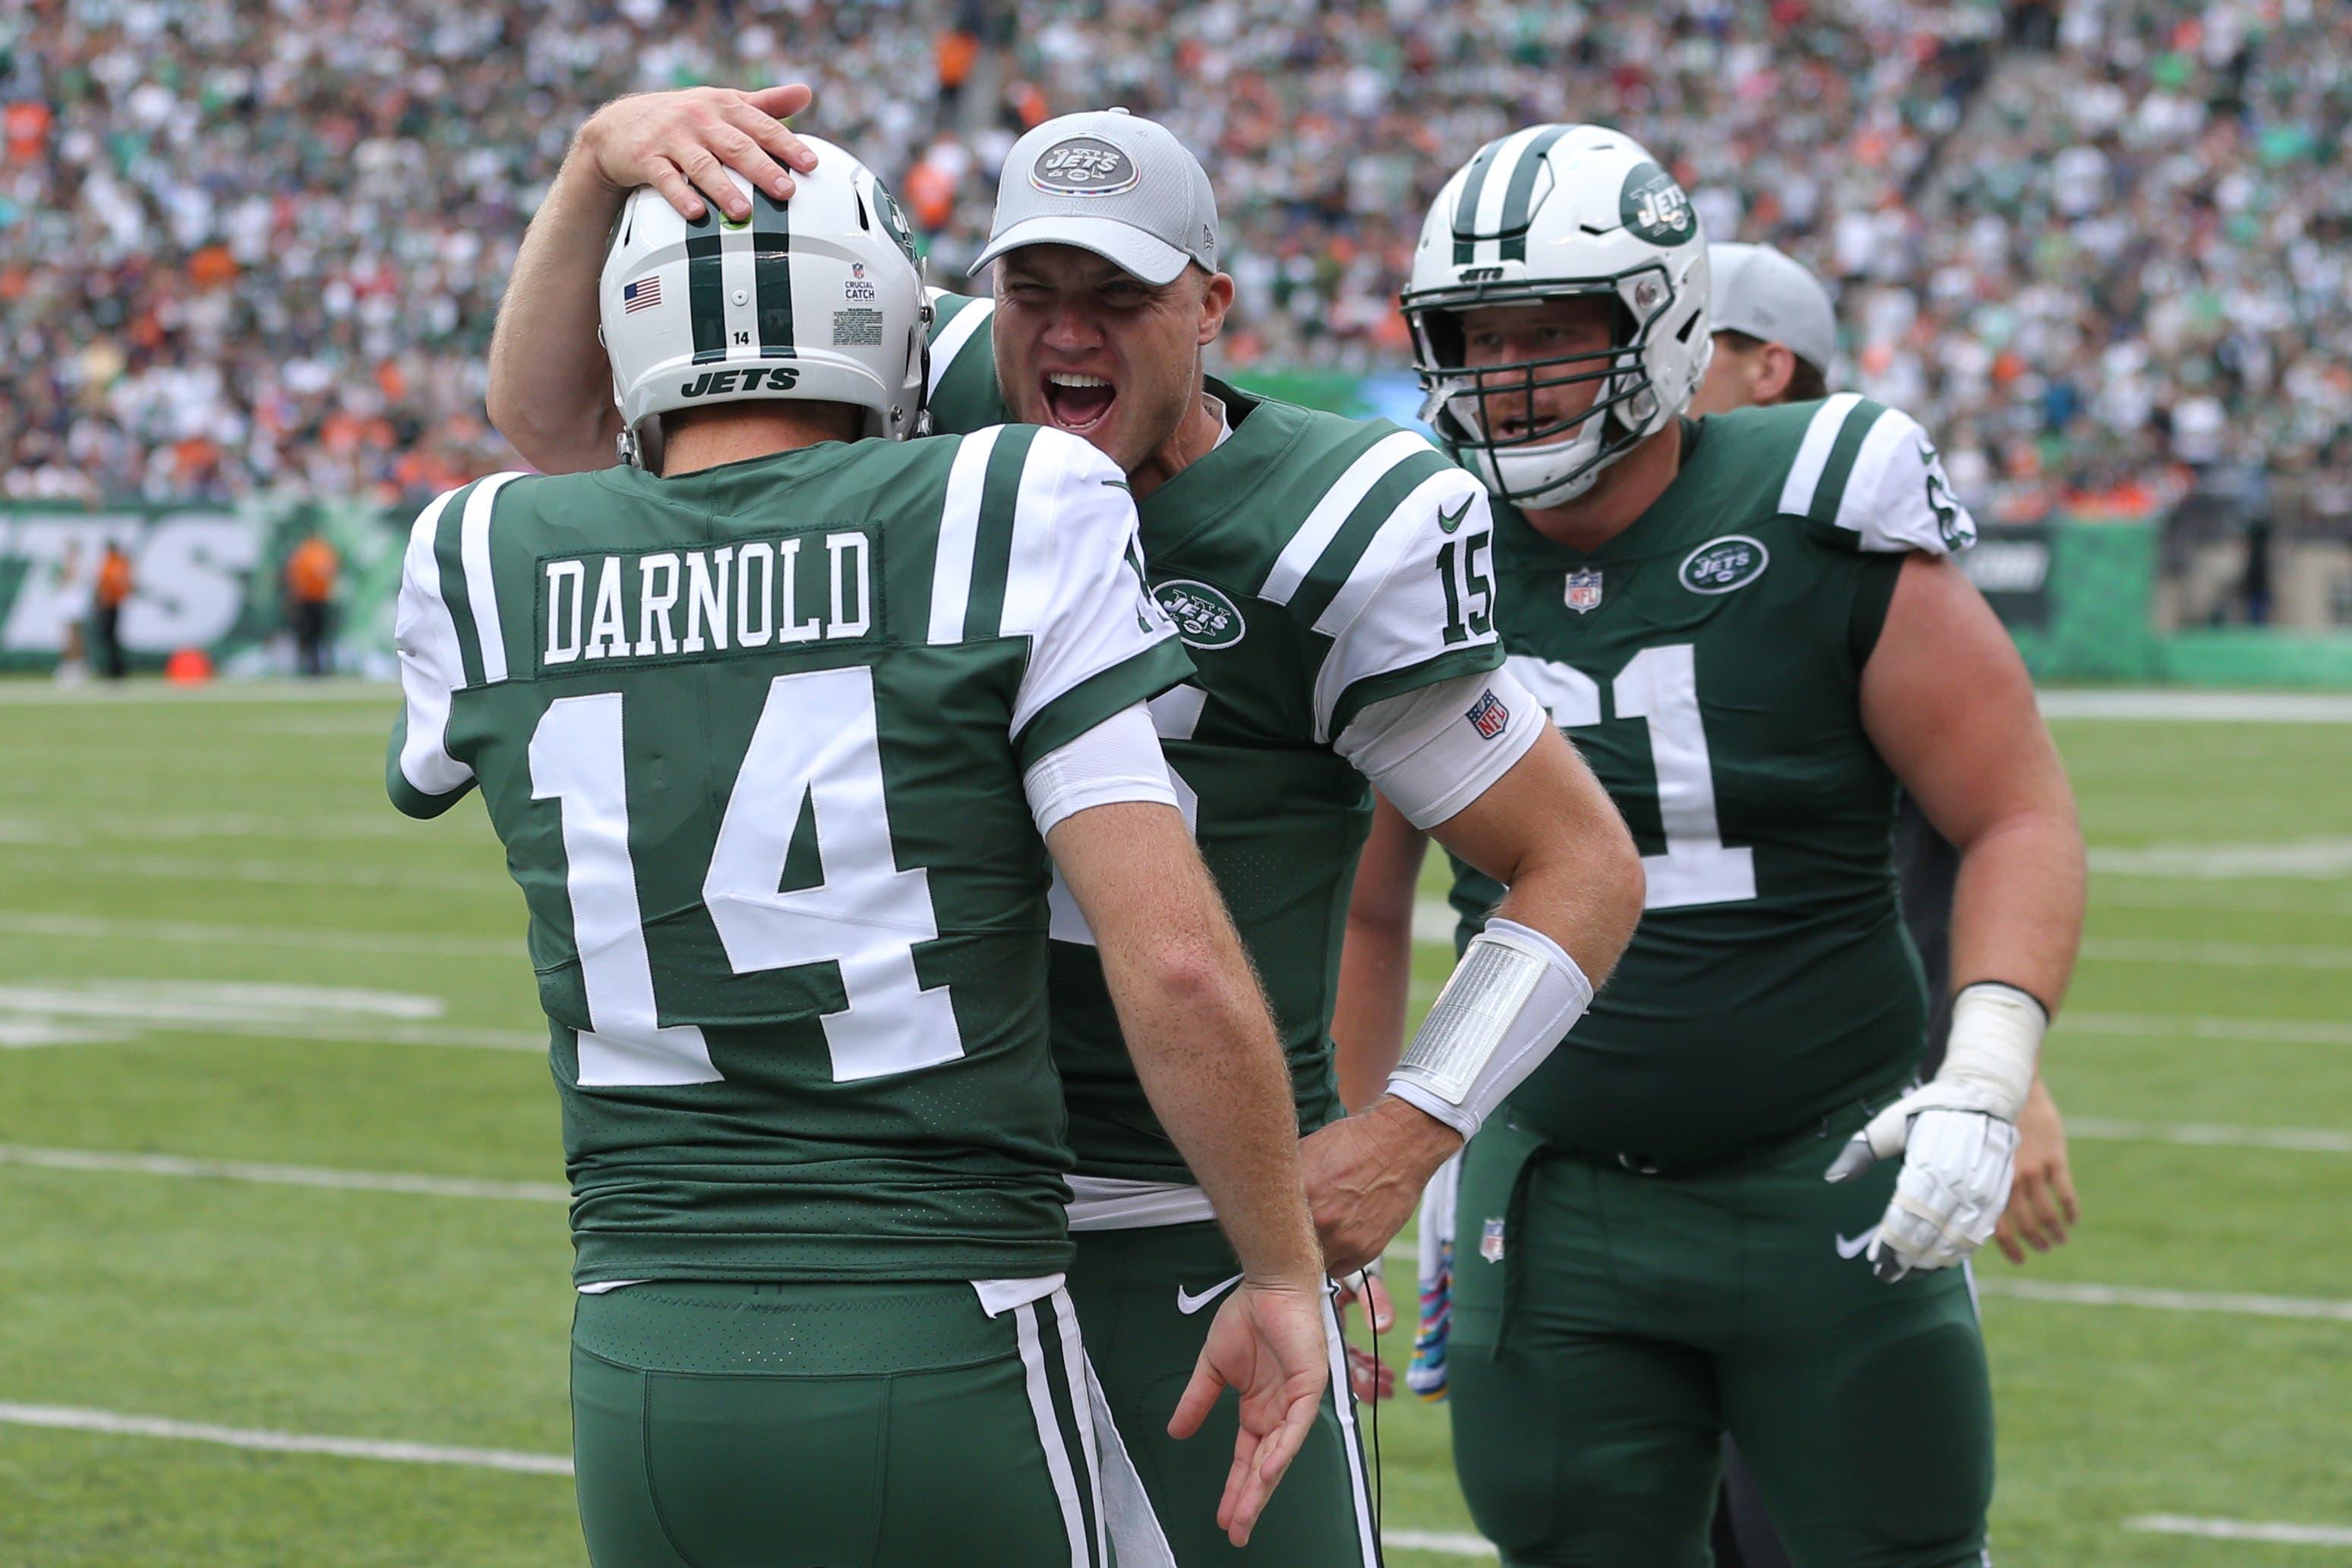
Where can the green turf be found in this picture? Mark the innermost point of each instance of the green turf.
(243, 837)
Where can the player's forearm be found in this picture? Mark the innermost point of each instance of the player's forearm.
(2017, 911)
(1205, 1049)
(550, 388)
(1376, 963)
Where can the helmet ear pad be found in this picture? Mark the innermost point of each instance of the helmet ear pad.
(1594, 214)
(816, 298)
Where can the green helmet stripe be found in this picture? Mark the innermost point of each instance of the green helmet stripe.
(1519, 197)
(1465, 207)
(706, 286)
(771, 275)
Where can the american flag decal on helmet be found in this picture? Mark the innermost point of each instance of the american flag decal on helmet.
(641, 294)
(1489, 716)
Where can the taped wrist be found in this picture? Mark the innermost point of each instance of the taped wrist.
(1509, 1001)
(1996, 1040)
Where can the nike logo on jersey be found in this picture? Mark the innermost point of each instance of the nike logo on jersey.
(1855, 1247)
(1188, 1303)
(1449, 521)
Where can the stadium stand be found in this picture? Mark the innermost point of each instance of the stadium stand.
(2099, 246)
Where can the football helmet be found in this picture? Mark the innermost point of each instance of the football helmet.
(818, 297)
(1548, 212)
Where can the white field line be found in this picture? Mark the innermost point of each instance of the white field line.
(1444, 1543)
(116, 1424)
(191, 868)
(208, 933)
(2322, 1308)
(2291, 1031)
(2242, 1530)
(403, 1182)
(2209, 707)
(2315, 860)
(2207, 1134)
(97, 693)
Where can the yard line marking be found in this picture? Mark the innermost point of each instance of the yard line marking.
(283, 1175)
(2241, 1530)
(119, 1424)
(191, 868)
(2294, 1032)
(1438, 1540)
(39, 694)
(2307, 1140)
(2226, 955)
(2324, 1309)
(2207, 707)
(2324, 860)
(204, 934)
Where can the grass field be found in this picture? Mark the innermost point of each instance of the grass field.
(278, 1152)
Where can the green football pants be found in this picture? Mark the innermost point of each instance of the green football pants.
(1609, 1327)
(1147, 1296)
(832, 1425)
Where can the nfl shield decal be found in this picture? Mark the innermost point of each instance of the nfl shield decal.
(1489, 717)
(1584, 592)
(1490, 1241)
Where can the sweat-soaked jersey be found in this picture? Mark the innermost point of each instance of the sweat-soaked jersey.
(1707, 663)
(1313, 565)
(754, 739)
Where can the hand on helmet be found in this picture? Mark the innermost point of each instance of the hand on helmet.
(681, 143)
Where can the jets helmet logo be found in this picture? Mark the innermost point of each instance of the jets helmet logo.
(1653, 206)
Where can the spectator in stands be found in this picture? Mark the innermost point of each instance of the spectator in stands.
(310, 573)
(113, 591)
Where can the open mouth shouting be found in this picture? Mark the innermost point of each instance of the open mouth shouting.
(1078, 402)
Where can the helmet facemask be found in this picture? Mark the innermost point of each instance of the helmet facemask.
(1543, 463)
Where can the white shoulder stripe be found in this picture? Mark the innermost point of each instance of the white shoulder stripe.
(1813, 453)
(1396, 537)
(1861, 486)
(1029, 576)
(958, 534)
(1314, 536)
(955, 334)
(482, 587)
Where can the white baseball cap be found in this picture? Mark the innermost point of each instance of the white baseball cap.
(1757, 290)
(1111, 183)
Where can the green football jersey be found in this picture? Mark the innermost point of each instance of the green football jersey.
(754, 740)
(1707, 663)
(1314, 565)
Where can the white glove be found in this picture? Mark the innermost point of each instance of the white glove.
(1957, 1135)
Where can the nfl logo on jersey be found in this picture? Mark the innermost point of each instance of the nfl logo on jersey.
(1490, 1241)
(1584, 592)
(1489, 716)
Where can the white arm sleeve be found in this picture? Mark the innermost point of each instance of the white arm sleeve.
(431, 671)
(1435, 750)
(1513, 997)
(1119, 760)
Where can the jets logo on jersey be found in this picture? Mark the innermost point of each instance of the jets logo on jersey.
(1721, 565)
(1489, 717)
(1583, 593)
(1204, 617)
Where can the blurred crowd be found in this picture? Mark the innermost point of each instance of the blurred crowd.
(2096, 244)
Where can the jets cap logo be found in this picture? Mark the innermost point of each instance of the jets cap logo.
(1084, 166)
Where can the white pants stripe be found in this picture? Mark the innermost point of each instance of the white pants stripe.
(1049, 1433)
(1081, 1381)
(1343, 1404)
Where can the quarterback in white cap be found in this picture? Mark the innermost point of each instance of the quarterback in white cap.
(1775, 331)
(1749, 624)
(1331, 577)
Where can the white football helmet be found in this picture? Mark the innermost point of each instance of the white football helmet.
(817, 298)
(1554, 211)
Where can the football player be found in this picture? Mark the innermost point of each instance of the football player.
(1749, 624)
(783, 729)
(1330, 577)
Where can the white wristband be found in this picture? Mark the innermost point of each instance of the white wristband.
(1995, 1042)
(1513, 997)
